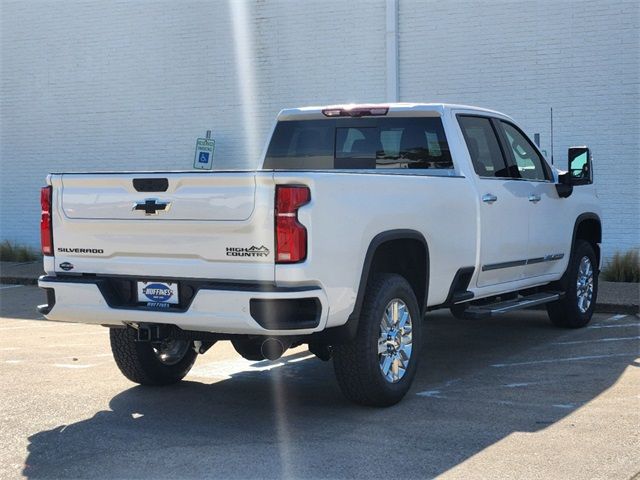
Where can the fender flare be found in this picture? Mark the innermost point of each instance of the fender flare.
(349, 329)
(581, 218)
(562, 282)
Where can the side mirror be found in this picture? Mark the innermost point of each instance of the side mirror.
(580, 171)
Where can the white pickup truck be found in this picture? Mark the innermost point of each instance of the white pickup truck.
(360, 219)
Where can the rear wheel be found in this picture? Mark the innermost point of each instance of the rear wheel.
(576, 308)
(378, 366)
(149, 363)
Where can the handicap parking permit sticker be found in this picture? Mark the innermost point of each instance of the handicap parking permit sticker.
(204, 154)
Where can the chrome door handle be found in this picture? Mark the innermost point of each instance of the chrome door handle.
(535, 198)
(489, 198)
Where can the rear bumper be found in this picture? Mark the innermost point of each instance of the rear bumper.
(218, 307)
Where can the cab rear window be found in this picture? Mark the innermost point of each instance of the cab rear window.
(362, 143)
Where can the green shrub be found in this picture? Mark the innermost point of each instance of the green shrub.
(11, 252)
(623, 267)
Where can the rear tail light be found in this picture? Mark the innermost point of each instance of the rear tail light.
(46, 232)
(291, 236)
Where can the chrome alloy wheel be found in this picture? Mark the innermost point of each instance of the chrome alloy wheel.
(171, 350)
(584, 284)
(395, 341)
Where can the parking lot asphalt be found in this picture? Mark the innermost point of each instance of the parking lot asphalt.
(510, 397)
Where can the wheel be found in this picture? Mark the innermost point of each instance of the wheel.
(150, 364)
(577, 306)
(378, 366)
(458, 310)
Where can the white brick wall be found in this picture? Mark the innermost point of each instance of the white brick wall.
(524, 57)
(130, 85)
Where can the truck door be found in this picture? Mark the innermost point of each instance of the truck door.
(548, 228)
(504, 222)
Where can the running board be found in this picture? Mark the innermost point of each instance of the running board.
(498, 308)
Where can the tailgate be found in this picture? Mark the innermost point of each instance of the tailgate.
(216, 225)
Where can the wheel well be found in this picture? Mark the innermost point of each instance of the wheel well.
(404, 252)
(406, 257)
(590, 230)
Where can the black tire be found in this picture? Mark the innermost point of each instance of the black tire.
(357, 364)
(565, 313)
(140, 363)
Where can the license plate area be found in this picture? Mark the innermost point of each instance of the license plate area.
(157, 294)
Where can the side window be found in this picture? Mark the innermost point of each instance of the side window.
(529, 162)
(483, 146)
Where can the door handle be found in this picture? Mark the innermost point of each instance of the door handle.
(535, 198)
(489, 198)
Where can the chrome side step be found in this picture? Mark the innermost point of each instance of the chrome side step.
(498, 308)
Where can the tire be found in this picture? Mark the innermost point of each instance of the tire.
(358, 365)
(140, 363)
(573, 311)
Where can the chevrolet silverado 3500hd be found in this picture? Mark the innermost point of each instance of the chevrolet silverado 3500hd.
(360, 219)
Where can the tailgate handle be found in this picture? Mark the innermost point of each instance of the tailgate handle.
(150, 184)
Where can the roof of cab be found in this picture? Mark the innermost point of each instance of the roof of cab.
(395, 109)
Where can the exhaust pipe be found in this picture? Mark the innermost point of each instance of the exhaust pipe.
(273, 348)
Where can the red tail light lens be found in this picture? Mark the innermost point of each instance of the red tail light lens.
(46, 232)
(291, 236)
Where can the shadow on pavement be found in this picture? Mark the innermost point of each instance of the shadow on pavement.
(17, 301)
(291, 421)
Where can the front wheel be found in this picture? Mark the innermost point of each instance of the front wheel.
(145, 363)
(576, 308)
(378, 366)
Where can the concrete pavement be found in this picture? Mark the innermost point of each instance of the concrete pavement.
(510, 397)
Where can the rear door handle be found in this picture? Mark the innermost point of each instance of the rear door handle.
(535, 198)
(489, 198)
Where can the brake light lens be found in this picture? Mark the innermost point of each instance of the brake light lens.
(356, 111)
(46, 232)
(291, 235)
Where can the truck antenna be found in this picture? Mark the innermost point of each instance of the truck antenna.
(551, 135)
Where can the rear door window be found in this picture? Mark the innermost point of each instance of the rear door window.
(362, 143)
(484, 147)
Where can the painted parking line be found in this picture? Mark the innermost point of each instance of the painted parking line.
(437, 394)
(619, 325)
(615, 318)
(74, 366)
(5, 287)
(609, 339)
(566, 359)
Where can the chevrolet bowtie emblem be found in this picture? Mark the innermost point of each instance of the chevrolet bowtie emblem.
(151, 206)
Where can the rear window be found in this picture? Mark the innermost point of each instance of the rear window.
(361, 143)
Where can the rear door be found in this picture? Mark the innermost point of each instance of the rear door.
(504, 226)
(214, 225)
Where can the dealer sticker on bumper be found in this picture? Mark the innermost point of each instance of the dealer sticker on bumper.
(158, 293)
